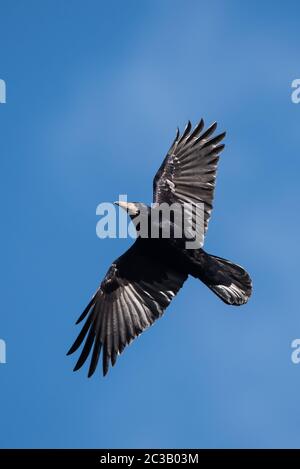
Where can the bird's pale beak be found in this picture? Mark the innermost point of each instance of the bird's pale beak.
(121, 204)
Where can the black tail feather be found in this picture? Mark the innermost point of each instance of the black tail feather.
(227, 280)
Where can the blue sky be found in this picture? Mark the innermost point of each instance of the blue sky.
(94, 94)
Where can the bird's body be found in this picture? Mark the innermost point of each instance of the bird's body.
(141, 283)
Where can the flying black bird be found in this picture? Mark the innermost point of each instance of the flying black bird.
(141, 283)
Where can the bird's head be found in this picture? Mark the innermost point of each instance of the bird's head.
(133, 209)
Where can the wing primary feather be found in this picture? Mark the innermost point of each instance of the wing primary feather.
(139, 307)
(215, 140)
(196, 131)
(82, 333)
(87, 309)
(127, 318)
(209, 131)
(109, 337)
(185, 132)
(122, 326)
(97, 345)
(133, 313)
(149, 301)
(105, 357)
(87, 348)
(216, 150)
(176, 137)
(115, 334)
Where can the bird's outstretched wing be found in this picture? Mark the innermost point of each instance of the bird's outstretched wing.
(134, 293)
(188, 172)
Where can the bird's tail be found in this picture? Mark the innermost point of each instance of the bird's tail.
(227, 280)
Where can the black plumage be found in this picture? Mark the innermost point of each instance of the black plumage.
(141, 283)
